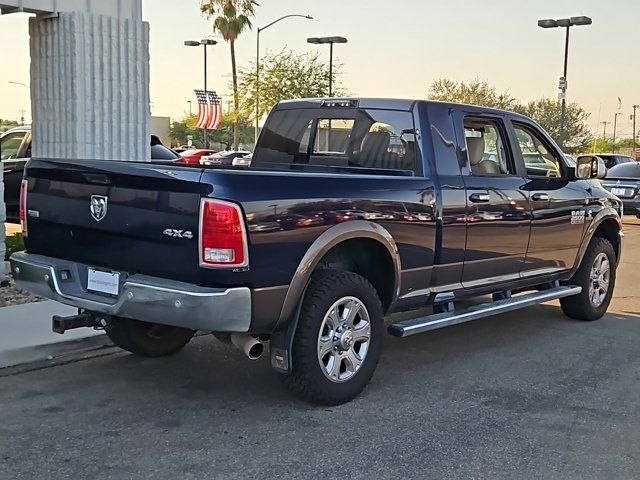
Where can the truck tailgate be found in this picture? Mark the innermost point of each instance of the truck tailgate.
(135, 217)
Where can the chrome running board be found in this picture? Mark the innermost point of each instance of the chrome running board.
(414, 326)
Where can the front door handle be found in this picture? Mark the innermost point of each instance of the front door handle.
(479, 197)
(540, 197)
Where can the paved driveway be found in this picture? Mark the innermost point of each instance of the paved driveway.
(523, 395)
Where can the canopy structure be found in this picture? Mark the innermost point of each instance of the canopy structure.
(121, 9)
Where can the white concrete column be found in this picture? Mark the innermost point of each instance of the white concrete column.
(90, 87)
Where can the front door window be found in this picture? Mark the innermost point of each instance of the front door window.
(538, 159)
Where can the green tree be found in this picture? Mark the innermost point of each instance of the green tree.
(7, 124)
(229, 125)
(475, 92)
(230, 19)
(546, 111)
(283, 76)
(182, 129)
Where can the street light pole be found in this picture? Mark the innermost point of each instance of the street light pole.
(604, 133)
(22, 112)
(258, 31)
(563, 111)
(615, 128)
(205, 43)
(567, 23)
(633, 134)
(330, 41)
(331, 69)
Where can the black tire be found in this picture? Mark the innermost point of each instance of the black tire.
(580, 307)
(148, 339)
(308, 380)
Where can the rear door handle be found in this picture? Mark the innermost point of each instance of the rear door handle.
(479, 197)
(540, 197)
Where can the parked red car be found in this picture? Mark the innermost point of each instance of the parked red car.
(194, 155)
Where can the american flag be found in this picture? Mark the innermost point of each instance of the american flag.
(209, 110)
(203, 108)
(215, 111)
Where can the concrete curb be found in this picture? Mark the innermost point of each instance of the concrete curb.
(27, 337)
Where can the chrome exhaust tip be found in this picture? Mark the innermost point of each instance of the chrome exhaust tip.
(249, 345)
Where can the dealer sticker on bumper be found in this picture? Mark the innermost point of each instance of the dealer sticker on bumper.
(103, 282)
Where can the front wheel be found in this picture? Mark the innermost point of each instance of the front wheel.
(338, 340)
(148, 339)
(597, 277)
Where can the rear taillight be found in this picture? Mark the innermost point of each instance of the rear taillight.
(23, 206)
(223, 239)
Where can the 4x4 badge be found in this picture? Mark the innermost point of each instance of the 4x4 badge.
(98, 207)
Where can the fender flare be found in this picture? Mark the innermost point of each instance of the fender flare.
(282, 339)
(604, 215)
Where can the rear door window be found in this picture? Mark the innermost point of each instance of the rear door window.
(486, 152)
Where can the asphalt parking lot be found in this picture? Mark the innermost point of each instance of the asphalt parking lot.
(522, 395)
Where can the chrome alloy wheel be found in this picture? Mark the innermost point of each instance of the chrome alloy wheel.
(599, 280)
(343, 340)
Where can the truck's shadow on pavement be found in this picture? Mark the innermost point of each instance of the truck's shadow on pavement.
(217, 374)
(530, 385)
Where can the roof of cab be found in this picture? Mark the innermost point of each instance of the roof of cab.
(381, 103)
(384, 104)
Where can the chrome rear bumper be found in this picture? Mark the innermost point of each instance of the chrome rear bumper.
(140, 297)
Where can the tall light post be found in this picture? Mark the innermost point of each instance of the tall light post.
(566, 23)
(330, 41)
(22, 112)
(615, 129)
(205, 42)
(190, 107)
(633, 134)
(258, 32)
(604, 133)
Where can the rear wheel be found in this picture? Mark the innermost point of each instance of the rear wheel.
(148, 339)
(338, 340)
(597, 277)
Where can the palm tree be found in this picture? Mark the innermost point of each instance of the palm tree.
(230, 19)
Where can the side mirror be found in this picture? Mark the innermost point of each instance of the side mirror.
(590, 166)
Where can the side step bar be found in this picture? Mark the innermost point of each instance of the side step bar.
(414, 326)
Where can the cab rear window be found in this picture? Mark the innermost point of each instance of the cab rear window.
(357, 138)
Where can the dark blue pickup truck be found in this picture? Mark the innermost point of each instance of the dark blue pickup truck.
(352, 209)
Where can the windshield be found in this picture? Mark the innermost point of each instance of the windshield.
(625, 170)
(341, 137)
(160, 152)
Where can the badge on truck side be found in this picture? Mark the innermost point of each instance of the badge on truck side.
(172, 232)
(577, 217)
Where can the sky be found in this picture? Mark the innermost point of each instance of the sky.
(395, 49)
